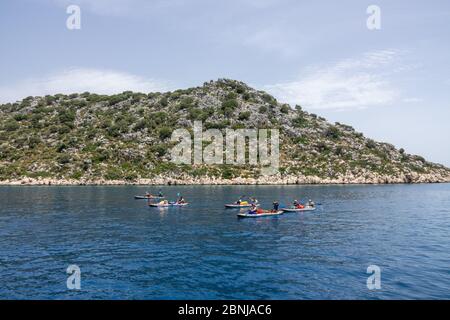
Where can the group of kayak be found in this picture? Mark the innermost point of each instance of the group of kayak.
(255, 211)
(163, 203)
(252, 204)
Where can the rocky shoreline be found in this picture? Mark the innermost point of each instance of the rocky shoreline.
(267, 180)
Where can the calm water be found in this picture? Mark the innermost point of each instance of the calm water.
(127, 250)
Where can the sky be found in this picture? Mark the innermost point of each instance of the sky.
(391, 83)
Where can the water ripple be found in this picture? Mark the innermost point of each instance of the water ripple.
(127, 250)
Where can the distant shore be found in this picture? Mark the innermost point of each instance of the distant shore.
(266, 180)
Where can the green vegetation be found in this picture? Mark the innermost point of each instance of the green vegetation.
(11, 125)
(186, 103)
(299, 121)
(164, 133)
(285, 108)
(244, 115)
(228, 106)
(332, 132)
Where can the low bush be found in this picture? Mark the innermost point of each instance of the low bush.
(164, 133)
(245, 115)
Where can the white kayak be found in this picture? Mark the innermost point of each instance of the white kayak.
(258, 215)
(165, 205)
(237, 206)
(148, 197)
(298, 210)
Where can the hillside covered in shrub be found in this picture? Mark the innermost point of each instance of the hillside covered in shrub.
(91, 138)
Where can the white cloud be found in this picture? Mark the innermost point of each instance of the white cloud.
(348, 84)
(80, 80)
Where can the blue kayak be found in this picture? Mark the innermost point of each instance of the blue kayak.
(258, 215)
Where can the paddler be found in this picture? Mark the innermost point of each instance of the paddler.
(298, 205)
(276, 205)
(253, 209)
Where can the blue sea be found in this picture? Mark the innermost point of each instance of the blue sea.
(127, 250)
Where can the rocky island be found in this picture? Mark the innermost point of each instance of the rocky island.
(86, 138)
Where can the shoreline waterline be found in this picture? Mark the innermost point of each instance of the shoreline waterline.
(230, 182)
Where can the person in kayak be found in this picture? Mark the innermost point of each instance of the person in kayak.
(311, 203)
(297, 204)
(255, 201)
(181, 200)
(239, 201)
(160, 194)
(276, 205)
(253, 209)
